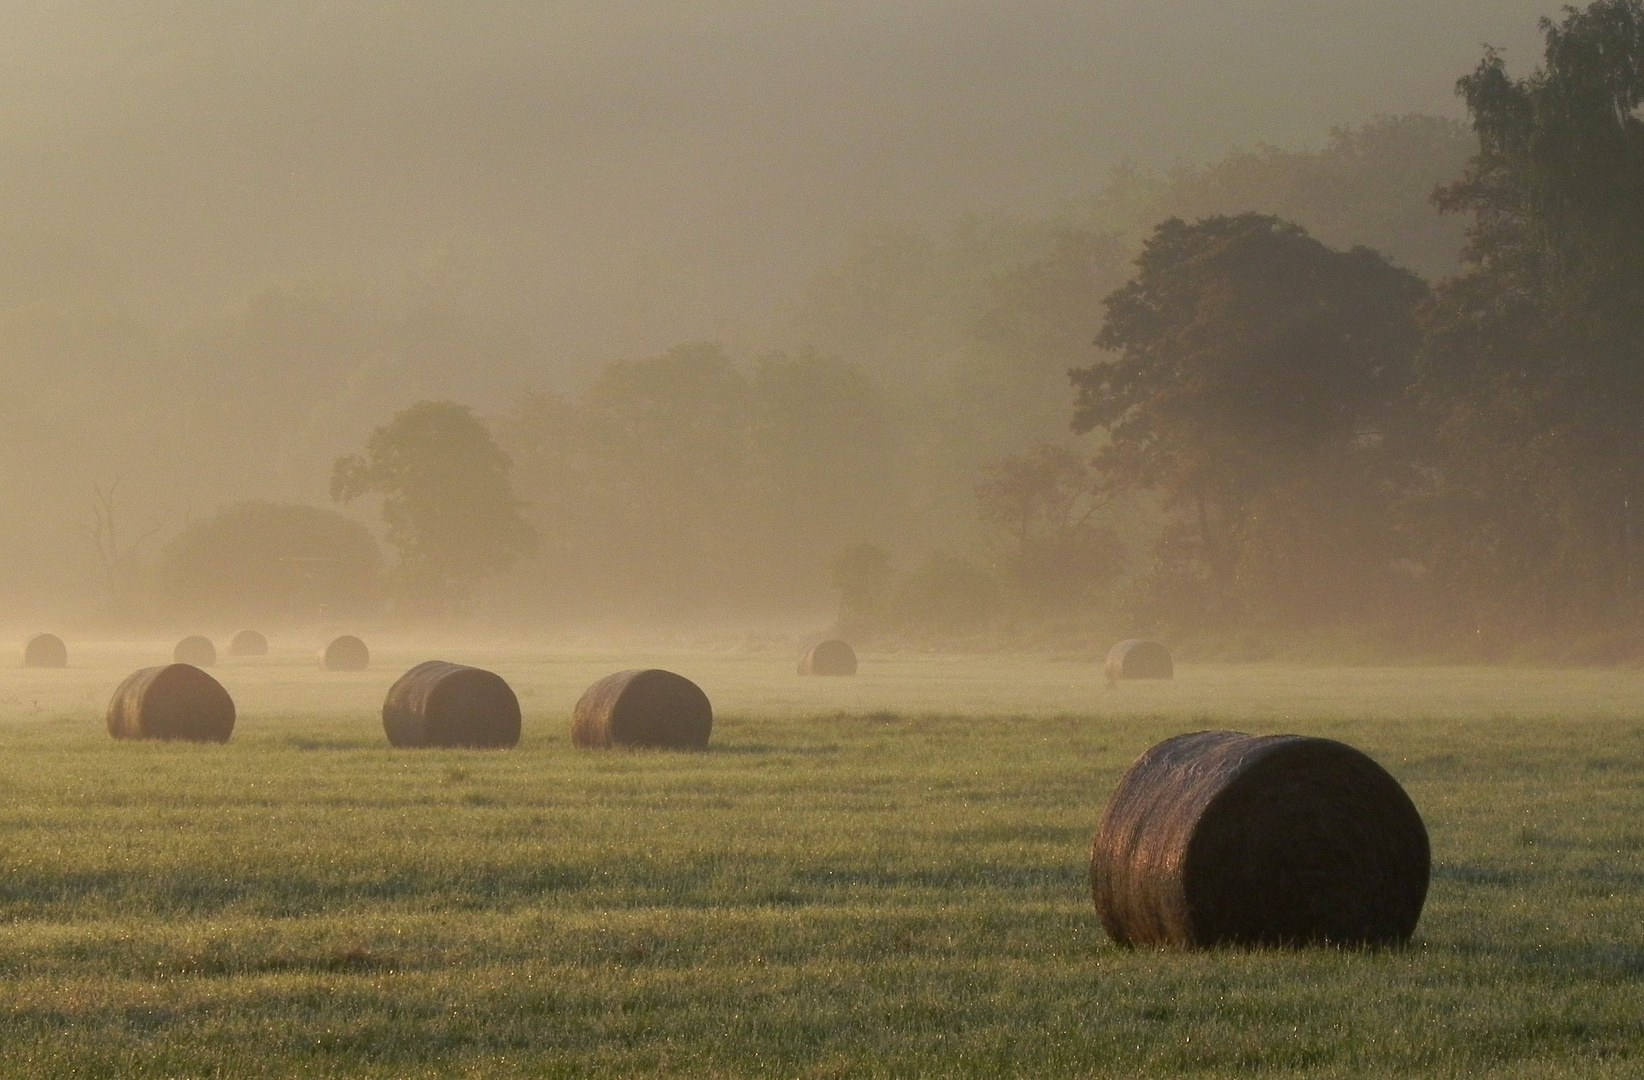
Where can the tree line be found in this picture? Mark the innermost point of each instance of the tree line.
(1268, 433)
(1337, 443)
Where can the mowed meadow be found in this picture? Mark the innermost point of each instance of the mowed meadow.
(883, 875)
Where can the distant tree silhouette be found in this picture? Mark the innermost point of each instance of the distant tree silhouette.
(1532, 377)
(1045, 500)
(449, 510)
(862, 574)
(1247, 358)
(258, 560)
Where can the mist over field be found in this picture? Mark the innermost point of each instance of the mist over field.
(739, 289)
(942, 538)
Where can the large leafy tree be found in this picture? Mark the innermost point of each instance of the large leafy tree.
(1534, 369)
(1246, 358)
(449, 509)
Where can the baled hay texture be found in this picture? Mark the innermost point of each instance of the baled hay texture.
(45, 650)
(347, 653)
(648, 707)
(441, 704)
(248, 643)
(195, 649)
(828, 658)
(1221, 838)
(1134, 658)
(173, 701)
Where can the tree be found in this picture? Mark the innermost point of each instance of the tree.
(1370, 184)
(1045, 500)
(946, 595)
(1247, 357)
(117, 555)
(862, 574)
(1532, 377)
(258, 560)
(662, 444)
(825, 467)
(447, 504)
(684, 480)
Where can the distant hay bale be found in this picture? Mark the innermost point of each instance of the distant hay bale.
(832, 657)
(195, 649)
(347, 653)
(1221, 838)
(248, 643)
(173, 701)
(45, 650)
(647, 707)
(441, 704)
(1134, 658)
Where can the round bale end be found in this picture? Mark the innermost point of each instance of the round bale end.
(1218, 838)
(248, 643)
(346, 653)
(451, 705)
(45, 651)
(171, 701)
(1135, 658)
(645, 707)
(197, 650)
(831, 657)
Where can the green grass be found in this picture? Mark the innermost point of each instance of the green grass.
(880, 876)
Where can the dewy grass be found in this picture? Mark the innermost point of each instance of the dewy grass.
(878, 876)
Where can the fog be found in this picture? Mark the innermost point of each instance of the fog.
(237, 238)
(628, 175)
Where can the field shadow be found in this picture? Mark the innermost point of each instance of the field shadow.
(1604, 878)
(766, 749)
(321, 742)
(1587, 959)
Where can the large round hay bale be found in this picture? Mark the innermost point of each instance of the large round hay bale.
(45, 650)
(248, 643)
(832, 657)
(1134, 658)
(347, 653)
(1221, 838)
(441, 704)
(173, 701)
(647, 707)
(195, 649)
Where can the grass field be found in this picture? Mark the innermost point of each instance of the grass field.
(878, 876)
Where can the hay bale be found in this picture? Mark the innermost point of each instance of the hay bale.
(195, 649)
(248, 643)
(1221, 838)
(347, 653)
(1134, 658)
(648, 707)
(441, 704)
(173, 701)
(45, 650)
(832, 657)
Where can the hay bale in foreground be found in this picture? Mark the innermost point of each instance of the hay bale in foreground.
(646, 707)
(45, 650)
(195, 649)
(1134, 658)
(441, 704)
(832, 657)
(347, 653)
(173, 701)
(1221, 838)
(248, 643)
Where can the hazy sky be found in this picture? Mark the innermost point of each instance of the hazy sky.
(630, 172)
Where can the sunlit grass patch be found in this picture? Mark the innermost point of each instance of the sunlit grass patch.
(888, 880)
